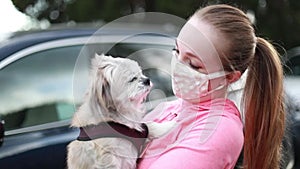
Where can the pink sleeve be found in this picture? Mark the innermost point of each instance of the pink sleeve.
(180, 158)
(221, 150)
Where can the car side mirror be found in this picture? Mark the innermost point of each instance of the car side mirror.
(1, 132)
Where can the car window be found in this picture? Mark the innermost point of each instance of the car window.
(37, 89)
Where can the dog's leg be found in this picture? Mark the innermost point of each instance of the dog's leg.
(159, 129)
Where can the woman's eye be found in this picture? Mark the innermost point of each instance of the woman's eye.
(133, 79)
(195, 67)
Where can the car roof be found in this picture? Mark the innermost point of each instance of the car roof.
(22, 40)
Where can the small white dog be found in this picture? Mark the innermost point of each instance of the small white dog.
(111, 132)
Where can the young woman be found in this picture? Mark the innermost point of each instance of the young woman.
(214, 48)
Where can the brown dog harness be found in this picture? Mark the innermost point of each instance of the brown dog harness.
(116, 130)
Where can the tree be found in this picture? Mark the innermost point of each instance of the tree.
(279, 20)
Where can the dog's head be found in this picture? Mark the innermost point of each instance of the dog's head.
(118, 84)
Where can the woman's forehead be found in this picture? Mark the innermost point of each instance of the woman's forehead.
(199, 38)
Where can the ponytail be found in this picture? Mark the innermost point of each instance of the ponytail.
(265, 117)
(263, 93)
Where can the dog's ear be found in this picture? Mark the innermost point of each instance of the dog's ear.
(104, 96)
(100, 90)
(101, 59)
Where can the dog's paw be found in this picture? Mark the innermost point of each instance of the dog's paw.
(159, 129)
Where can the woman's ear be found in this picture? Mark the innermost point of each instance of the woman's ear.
(233, 76)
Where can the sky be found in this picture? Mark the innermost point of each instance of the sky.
(10, 17)
(13, 20)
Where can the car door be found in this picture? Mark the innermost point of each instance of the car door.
(36, 105)
(42, 85)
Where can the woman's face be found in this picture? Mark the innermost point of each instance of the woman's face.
(198, 45)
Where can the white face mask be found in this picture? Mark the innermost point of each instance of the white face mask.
(190, 84)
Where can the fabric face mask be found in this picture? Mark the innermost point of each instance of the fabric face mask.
(190, 84)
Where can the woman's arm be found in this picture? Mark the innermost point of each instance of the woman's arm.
(220, 150)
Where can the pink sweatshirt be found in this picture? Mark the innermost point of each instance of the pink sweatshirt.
(207, 136)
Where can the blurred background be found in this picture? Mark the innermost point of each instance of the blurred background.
(46, 46)
(279, 20)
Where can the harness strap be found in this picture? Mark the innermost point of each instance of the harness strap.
(113, 129)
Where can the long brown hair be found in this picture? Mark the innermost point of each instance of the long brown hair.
(263, 93)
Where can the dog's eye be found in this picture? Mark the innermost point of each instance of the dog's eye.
(133, 79)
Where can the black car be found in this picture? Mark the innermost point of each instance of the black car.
(43, 77)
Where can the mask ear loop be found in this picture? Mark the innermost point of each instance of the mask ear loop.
(232, 69)
(217, 74)
(235, 91)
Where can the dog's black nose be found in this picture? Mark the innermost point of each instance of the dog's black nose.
(146, 81)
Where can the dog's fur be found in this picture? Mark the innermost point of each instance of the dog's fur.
(116, 93)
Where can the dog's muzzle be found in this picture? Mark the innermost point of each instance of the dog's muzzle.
(146, 81)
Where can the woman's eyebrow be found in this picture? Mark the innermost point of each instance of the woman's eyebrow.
(189, 53)
(193, 55)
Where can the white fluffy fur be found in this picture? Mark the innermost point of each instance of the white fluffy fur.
(116, 93)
